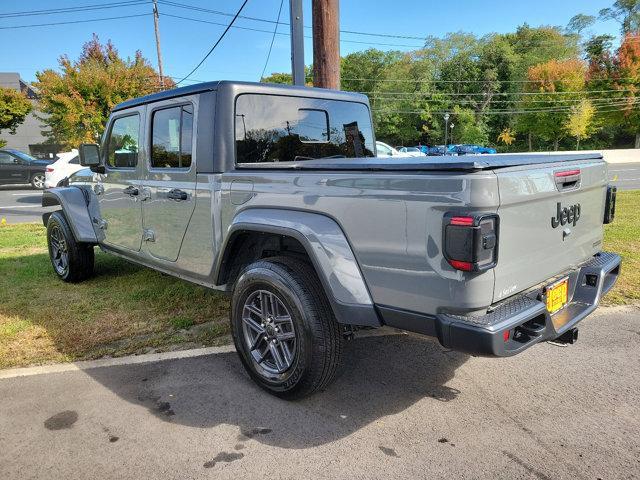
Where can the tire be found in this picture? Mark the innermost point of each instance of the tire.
(37, 181)
(72, 261)
(314, 351)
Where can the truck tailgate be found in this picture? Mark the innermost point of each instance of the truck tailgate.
(550, 220)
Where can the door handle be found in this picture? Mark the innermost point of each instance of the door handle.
(131, 191)
(177, 194)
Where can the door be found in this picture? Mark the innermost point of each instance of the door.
(170, 182)
(13, 169)
(118, 190)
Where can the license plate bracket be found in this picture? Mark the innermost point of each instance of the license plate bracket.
(557, 295)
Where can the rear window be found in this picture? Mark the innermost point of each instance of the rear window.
(285, 129)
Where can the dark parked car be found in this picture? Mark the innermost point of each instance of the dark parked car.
(18, 167)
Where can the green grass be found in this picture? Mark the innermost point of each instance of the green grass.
(123, 309)
(623, 237)
(128, 309)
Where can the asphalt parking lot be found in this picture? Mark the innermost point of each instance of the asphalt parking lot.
(404, 408)
(21, 203)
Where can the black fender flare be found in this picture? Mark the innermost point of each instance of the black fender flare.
(328, 249)
(74, 205)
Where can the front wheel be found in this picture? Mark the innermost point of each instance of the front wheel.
(72, 261)
(284, 328)
(37, 181)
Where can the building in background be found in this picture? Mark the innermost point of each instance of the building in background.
(28, 137)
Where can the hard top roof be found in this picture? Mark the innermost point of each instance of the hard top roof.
(241, 87)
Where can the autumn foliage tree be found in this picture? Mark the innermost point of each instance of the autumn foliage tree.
(549, 82)
(14, 107)
(77, 100)
(627, 82)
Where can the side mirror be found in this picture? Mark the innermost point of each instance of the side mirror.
(89, 155)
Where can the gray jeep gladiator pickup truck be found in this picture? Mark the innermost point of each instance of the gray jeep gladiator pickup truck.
(274, 194)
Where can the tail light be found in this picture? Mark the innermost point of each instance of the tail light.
(610, 205)
(471, 241)
(49, 169)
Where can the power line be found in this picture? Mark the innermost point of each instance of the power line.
(76, 21)
(252, 29)
(275, 30)
(482, 94)
(353, 32)
(77, 8)
(404, 80)
(215, 44)
(609, 108)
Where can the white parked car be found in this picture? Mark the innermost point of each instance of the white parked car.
(385, 150)
(67, 164)
(411, 152)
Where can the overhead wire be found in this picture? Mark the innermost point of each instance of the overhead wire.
(275, 30)
(215, 44)
(77, 8)
(70, 22)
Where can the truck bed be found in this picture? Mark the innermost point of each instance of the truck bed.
(467, 163)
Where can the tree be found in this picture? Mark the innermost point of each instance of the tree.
(507, 136)
(580, 22)
(580, 123)
(469, 129)
(625, 12)
(14, 107)
(627, 82)
(552, 87)
(77, 101)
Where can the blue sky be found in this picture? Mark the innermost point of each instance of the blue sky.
(242, 53)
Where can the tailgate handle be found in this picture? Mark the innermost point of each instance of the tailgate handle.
(567, 179)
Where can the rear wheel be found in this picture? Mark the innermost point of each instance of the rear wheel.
(72, 261)
(284, 329)
(37, 181)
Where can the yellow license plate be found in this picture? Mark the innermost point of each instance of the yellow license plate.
(557, 295)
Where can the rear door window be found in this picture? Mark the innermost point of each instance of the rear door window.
(271, 128)
(171, 137)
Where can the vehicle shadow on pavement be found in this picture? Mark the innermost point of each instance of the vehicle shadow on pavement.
(382, 375)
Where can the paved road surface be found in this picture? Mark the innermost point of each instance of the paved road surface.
(404, 408)
(19, 204)
(626, 175)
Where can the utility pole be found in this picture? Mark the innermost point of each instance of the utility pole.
(156, 25)
(297, 42)
(326, 44)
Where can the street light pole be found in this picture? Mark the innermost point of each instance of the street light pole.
(446, 130)
(451, 134)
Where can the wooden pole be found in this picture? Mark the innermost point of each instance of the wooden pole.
(326, 44)
(157, 29)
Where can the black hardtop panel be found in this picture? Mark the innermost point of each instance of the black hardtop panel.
(236, 88)
(462, 163)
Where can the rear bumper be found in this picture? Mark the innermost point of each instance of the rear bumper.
(525, 316)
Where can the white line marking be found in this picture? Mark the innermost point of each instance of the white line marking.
(23, 194)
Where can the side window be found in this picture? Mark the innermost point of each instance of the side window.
(122, 147)
(171, 137)
(75, 161)
(6, 159)
(272, 128)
